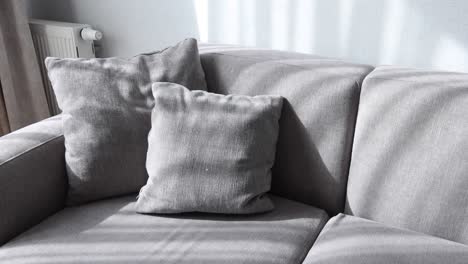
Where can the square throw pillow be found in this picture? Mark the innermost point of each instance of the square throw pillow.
(106, 106)
(209, 152)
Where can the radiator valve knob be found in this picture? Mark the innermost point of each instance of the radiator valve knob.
(91, 34)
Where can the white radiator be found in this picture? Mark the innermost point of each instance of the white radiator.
(63, 40)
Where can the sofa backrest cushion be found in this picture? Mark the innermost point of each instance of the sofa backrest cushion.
(318, 118)
(409, 165)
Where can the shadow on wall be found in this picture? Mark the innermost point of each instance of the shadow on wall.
(415, 33)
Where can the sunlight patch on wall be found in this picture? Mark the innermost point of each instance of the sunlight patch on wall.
(248, 21)
(305, 26)
(398, 32)
(450, 55)
(344, 25)
(280, 24)
(201, 10)
(230, 23)
(392, 30)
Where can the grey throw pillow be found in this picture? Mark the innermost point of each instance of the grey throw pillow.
(106, 106)
(209, 152)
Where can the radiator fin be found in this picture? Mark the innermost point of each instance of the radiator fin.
(58, 39)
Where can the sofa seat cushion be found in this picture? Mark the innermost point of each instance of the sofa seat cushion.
(110, 231)
(350, 239)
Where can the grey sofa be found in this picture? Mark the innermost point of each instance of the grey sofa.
(371, 167)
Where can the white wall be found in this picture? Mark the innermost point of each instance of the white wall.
(417, 33)
(129, 26)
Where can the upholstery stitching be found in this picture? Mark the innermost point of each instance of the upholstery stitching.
(30, 150)
(391, 79)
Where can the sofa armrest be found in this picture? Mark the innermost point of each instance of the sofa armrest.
(33, 181)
